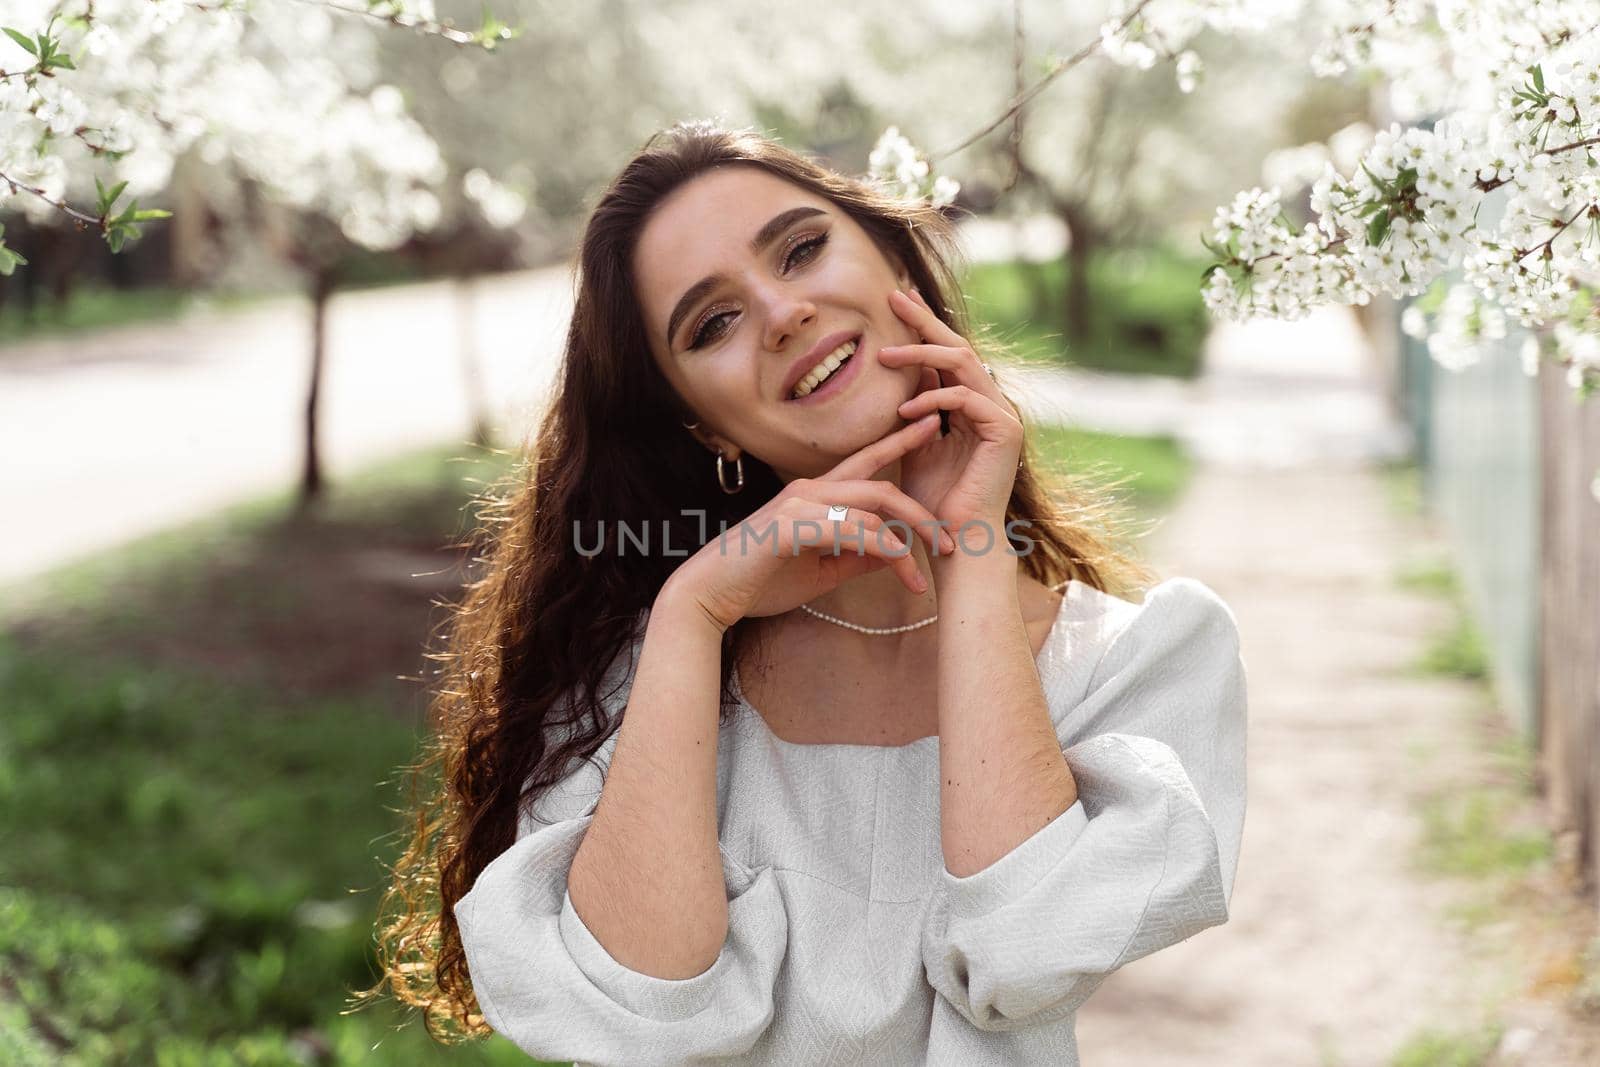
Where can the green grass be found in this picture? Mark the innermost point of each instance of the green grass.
(1402, 484)
(98, 307)
(1465, 833)
(1465, 830)
(90, 308)
(1458, 652)
(1432, 576)
(190, 860)
(1156, 468)
(1446, 1048)
(191, 866)
(1147, 313)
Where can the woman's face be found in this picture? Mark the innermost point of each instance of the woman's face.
(735, 327)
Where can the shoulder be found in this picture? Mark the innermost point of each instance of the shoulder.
(1177, 611)
(1169, 667)
(1179, 627)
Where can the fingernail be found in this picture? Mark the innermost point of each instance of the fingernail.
(949, 542)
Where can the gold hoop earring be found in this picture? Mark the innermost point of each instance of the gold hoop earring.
(738, 469)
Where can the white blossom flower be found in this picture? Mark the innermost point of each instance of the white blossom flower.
(945, 189)
(1189, 69)
(1528, 355)
(895, 165)
(276, 91)
(1414, 322)
(1517, 86)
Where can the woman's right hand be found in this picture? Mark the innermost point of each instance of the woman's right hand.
(795, 560)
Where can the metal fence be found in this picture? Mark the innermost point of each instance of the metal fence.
(1506, 462)
(1477, 432)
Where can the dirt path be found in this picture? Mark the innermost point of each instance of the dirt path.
(1340, 951)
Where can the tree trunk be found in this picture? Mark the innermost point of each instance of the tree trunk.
(1078, 307)
(311, 482)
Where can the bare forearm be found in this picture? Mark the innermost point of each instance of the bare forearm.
(1002, 774)
(647, 879)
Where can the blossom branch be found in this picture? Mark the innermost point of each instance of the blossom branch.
(1548, 243)
(486, 36)
(59, 205)
(1018, 102)
(1568, 147)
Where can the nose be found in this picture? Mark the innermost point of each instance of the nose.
(786, 313)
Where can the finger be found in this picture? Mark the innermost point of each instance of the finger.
(982, 410)
(848, 565)
(886, 499)
(928, 380)
(868, 537)
(890, 499)
(922, 319)
(874, 457)
(961, 364)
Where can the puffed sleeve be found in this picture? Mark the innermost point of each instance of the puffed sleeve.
(546, 983)
(1144, 858)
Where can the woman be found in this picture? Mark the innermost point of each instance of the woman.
(901, 777)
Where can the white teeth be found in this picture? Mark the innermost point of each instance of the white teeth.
(819, 374)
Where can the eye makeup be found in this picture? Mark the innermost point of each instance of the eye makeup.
(802, 248)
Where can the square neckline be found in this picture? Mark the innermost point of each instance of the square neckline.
(1045, 662)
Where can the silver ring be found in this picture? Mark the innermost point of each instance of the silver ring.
(838, 512)
(988, 370)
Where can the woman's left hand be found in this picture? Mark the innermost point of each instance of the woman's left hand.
(967, 474)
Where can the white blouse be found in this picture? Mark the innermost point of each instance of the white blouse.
(848, 939)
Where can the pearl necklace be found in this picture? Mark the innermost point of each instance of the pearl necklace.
(809, 610)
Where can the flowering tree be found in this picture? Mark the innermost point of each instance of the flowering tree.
(105, 95)
(1499, 107)
(1502, 105)
(99, 99)
(1490, 194)
(1114, 154)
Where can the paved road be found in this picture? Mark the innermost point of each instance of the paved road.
(112, 435)
(1274, 395)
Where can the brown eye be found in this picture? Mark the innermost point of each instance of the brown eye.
(810, 248)
(700, 335)
(801, 252)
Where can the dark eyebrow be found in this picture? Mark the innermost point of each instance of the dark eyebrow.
(764, 237)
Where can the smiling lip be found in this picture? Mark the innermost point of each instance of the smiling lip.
(836, 381)
(802, 365)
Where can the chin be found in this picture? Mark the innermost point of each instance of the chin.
(861, 430)
(855, 421)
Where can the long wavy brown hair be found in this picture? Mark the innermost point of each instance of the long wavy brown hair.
(517, 699)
